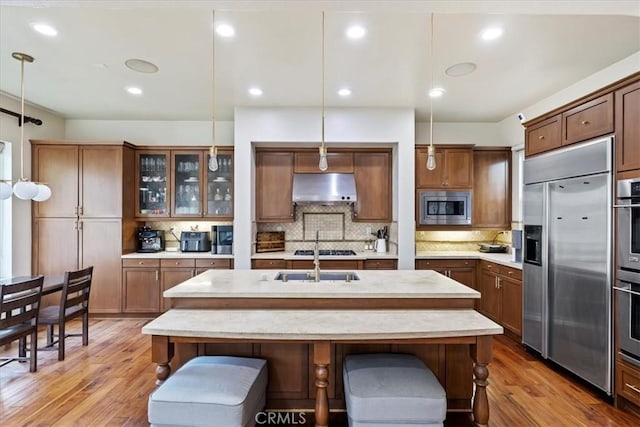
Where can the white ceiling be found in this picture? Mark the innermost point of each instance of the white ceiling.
(546, 46)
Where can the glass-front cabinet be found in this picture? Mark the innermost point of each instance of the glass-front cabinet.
(219, 194)
(187, 181)
(179, 184)
(152, 195)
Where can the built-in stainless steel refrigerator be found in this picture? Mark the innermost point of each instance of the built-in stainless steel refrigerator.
(567, 284)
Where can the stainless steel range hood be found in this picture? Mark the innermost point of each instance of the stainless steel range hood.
(324, 188)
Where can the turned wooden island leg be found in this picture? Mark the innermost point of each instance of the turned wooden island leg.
(321, 360)
(481, 355)
(161, 353)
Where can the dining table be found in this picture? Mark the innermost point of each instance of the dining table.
(51, 284)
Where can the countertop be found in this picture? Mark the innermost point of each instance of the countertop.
(332, 325)
(177, 254)
(360, 255)
(503, 259)
(372, 284)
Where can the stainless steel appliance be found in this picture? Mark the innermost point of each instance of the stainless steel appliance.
(628, 295)
(567, 283)
(325, 252)
(224, 239)
(628, 208)
(324, 188)
(149, 240)
(195, 241)
(444, 207)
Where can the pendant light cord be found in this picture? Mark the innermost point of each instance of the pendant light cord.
(431, 84)
(213, 83)
(323, 80)
(22, 178)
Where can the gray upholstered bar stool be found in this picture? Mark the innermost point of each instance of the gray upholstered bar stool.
(384, 390)
(211, 390)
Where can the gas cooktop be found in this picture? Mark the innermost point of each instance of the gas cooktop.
(337, 252)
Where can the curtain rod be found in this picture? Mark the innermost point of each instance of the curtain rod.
(27, 119)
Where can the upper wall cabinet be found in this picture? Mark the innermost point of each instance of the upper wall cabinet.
(627, 104)
(491, 188)
(307, 162)
(179, 184)
(454, 168)
(588, 120)
(274, 186)
(544, 136)
(373, 187)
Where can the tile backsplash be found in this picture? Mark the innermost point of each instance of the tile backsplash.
(459, 240)
(180, 226)
(335, 228)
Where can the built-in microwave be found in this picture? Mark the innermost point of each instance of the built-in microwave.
(444, 207)
(628, 208)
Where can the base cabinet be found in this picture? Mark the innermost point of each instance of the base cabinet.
(628, 386)
(501, 289)
(333, 264)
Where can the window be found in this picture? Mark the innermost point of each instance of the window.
(5, 213)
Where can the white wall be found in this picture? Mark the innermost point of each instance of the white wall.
(482, 134)
(51, 128)
(343, 126)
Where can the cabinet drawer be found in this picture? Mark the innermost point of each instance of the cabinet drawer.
(213, 263)
(177, 262)
(486, 265)
(629, 383)
(512, 273)
(589, 120)
(132, 262)
(380, 264)
(260, 264)
(543, 136)
(430, 264)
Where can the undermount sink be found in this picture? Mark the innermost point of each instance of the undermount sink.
(307, 276)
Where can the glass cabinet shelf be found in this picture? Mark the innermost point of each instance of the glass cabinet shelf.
(152, 184)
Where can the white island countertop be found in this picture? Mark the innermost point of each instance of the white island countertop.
(371, 284)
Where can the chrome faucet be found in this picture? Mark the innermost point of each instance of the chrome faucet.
(316, 259)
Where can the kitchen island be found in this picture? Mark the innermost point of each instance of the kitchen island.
(304, 329)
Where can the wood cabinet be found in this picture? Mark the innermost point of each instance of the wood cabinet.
(501, 289)
(543, 136)
(454, 167)
(217, 263)
(339, 162)
(372, 172)
(491, 206)
(266, 264)
(179, 184)
(274, 186)
(380, 264)
(88, 221)
(589, 120)
(627, 127)
(173, 272)
(460, 270)
(326, 264)
(141, 290)
(627, 385)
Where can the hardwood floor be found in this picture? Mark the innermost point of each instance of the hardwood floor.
(109, 381)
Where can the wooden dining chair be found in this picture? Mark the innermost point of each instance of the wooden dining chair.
(19, 307)
(74, 303)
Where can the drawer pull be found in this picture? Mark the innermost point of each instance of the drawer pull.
(585, 122)
(541, 137)
(177, 262)
(634, 388)
(509, 272)
(140, 262)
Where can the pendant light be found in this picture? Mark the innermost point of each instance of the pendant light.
(323, 165)
(24, 188)
(431, 151)
(213, 151)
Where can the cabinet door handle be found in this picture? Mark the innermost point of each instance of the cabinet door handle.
(634, 388)
(157, 275)
(541, 137)
(81, 210)
(499, 283)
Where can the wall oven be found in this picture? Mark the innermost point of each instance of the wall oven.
(628, 207)
(628, 295)
(444, 207)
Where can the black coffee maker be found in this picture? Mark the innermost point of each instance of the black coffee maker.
(150, 240)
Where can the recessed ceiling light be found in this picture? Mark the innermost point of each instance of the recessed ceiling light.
(491, 33)
(133, 90)
(225, 30)
(141, 66)
(436, 92)
(356, 32)
(461, 69)
(255, 91)
(45, 29)
(344, 92)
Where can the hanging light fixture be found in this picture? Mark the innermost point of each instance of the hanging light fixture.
(431, 151)
(213, 151)
(323, 165)
(24, 188)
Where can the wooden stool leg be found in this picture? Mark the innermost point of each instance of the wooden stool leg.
(85, 329)
(34, 352)
(61, 333)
